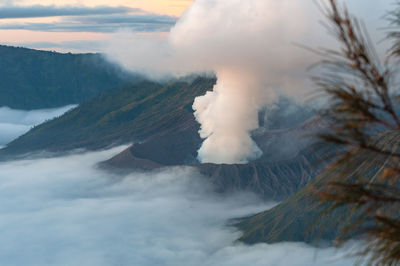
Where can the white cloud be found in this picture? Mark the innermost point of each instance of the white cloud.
(65, 211)
(14, 123)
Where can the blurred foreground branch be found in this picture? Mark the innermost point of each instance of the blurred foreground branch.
(363, 118)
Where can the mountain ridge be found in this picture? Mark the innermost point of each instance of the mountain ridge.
(35, 79)
(131, 112)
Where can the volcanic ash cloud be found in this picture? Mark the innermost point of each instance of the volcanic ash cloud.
(248, 45)
(241, 41)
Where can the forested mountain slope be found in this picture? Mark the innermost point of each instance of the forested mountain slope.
(300, 217)
(33, 79)
(132, 112)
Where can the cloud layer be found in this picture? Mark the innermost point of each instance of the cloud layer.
(37, 11)
(14, 123)
(107, 24)
(103, 19)
(65, 211)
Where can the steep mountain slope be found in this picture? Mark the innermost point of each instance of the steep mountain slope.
(130, 113)
(271, 179)
(32, 79)
(159, 119)
(299, 218)
(275, 180)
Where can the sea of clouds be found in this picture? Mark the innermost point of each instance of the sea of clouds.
(14, 123)
(67, 211)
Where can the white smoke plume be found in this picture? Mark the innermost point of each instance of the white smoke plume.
(250, 46)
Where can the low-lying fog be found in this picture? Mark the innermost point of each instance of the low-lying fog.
(14, 123)
(65, 211)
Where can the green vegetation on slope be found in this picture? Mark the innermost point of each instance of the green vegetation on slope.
(32, 79)
(129, 113)
(300, 218)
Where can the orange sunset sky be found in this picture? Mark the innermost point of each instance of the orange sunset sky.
(18, 27)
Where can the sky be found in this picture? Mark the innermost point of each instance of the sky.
(84, 25)
(81, 25)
